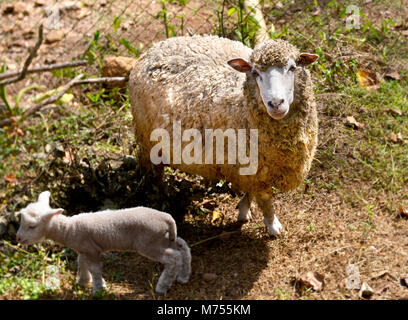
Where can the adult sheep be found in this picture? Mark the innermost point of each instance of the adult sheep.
(191, 82)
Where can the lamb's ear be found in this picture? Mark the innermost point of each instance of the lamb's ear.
(240, 65)
(52, 212)
(44, 197)
(306, 58)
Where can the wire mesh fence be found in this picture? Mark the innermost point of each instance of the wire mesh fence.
(93, 29)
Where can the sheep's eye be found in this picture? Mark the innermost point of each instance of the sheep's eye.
(32, 227)
(292, 68)
(255, 73)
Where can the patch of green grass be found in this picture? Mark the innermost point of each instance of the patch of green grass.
(26, 274)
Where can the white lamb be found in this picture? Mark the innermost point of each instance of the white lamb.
(150, 232)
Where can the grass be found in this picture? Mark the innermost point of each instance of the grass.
(348, 205)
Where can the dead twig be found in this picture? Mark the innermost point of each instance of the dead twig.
(102, 80)
(76, 81)
(54, 98)
(30, 58)
(214, 237)
(50, 67)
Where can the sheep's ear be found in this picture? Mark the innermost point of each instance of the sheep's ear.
(52, 212)
(44, 197)
(240, 65)
(306, 58)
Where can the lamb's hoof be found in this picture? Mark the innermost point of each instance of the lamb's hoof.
(84, 282)
(100, 289)
(275, 228)
(99, 292)
(160, 291)
(245, 216)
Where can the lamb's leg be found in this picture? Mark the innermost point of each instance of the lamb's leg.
(244, 206)
(184, 274)
(270, 219)
(94, 266)
(172, 265)
(84, 275)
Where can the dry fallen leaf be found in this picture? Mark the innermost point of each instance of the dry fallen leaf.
(397, 138)
(393, 74)
(363, 109)
(68, 158)
(11, 177)
(366, 291)
(316, 12)
(352, 122)
(215, 216)
(403, 211)
(312, 280)
(397, 112)
(368, 79)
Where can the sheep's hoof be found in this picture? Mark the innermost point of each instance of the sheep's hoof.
(275, 228)
(245, 216)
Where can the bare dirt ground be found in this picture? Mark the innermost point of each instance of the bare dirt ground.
(337, 218)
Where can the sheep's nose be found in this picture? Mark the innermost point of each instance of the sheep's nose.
(275, 103)
(18, 238)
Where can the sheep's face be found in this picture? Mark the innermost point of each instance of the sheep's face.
(276, 83)
(276, 86)
(34, 220)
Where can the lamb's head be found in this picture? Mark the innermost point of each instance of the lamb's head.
(273, 65)
(34, 219)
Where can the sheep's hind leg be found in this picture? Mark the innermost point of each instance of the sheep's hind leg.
(244, 206)
(270, 219)
(172, 265)
(84, 275)
(185, 272)
(94, 266)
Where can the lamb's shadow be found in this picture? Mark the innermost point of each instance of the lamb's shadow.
(235, 261)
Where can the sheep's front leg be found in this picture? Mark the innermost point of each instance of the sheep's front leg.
(244, 206)
(84, 275)
(94, 265)
(270, 219)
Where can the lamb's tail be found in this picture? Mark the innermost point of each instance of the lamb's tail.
(172, 229)
(183, 246)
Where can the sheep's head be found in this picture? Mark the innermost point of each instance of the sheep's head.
(273, 64)
(34, 219)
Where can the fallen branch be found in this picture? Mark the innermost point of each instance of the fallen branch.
(76, 81)
(54, 98)
(102, 80)
(214, 237)
(28, 60)
(44, 68)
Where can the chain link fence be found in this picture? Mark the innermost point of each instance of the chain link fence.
(93, 29)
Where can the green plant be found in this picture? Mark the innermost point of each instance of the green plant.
(246, 26)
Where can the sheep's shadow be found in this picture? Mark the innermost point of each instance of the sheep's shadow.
(234, 261)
